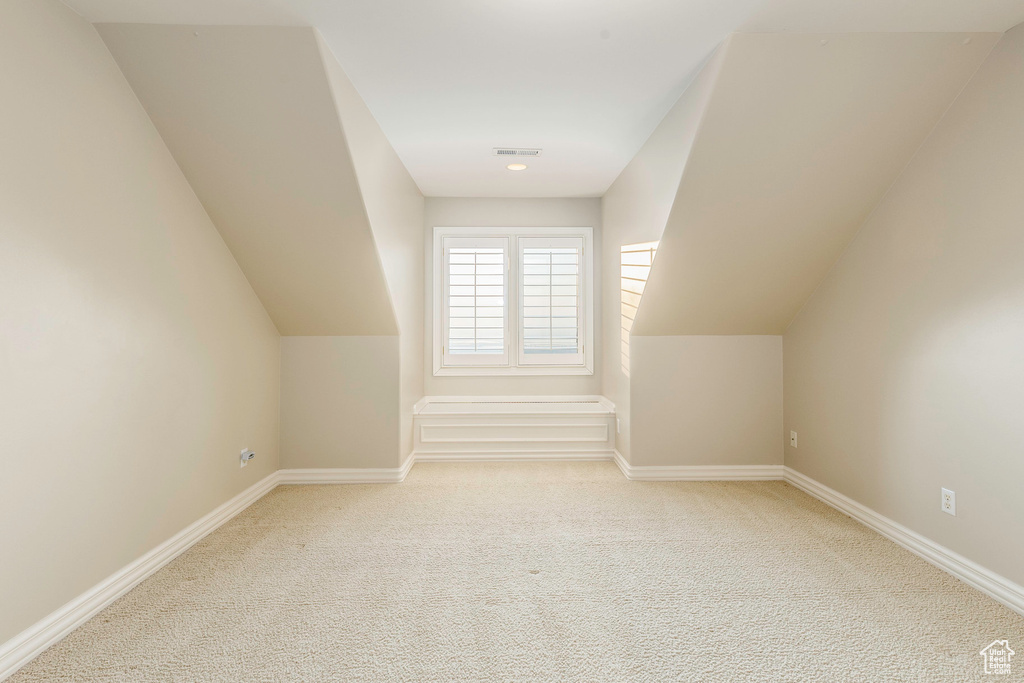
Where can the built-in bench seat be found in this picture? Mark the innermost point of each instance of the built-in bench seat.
(535, 427)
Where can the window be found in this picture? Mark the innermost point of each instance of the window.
(635, 263)
(513, 301)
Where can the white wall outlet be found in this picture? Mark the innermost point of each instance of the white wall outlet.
(247, 455)
(618, 425)
(792, 439)
(949, 502)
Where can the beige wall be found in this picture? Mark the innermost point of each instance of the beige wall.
(635, 209)
(487, 212)
(394, 206)
(905, 372)
(339, 402)
(135, 360)
(703, 400)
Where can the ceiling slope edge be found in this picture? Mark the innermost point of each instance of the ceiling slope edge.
(248, 114)
(637, 206)
(394, 203)
(647, 185)
(803, 135)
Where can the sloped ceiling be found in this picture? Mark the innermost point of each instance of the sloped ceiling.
(393, 202)
(249, 115)
(636, 206)
(587, 80)
(800, 140)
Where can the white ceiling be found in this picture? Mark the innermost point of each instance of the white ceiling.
(587, 80)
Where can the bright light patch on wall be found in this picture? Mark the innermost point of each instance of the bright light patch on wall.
(636, 261)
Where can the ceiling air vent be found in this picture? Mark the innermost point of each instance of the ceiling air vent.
(516, 152)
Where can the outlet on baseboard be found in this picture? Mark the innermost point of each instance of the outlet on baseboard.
(247, 455)
(792, 439)
(949, 502)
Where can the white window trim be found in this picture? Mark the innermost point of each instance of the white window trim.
(512, 302)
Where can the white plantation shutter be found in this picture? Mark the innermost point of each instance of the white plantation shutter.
(551, 300)
(513, 301)
(475, 293)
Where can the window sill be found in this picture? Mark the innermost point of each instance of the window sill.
(470, 371)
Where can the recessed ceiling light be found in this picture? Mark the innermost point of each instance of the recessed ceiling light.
(516, 167)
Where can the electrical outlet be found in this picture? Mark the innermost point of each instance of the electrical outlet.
(792, 439)
(949, 502)
(618, 425)
(247, 455)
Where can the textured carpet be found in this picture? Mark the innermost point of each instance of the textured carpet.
(539, 572)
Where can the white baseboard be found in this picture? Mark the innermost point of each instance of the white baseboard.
(995, 586)
(345, 475)
(511, 456)
(24, 647)
(698, 472)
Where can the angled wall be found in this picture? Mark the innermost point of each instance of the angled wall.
(395, 208)
(318, 210)
(801, 138)
(634, 210)
(249, 115)
(135, 360)
(904, 372)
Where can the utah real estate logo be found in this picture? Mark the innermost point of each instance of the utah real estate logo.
(997, 657)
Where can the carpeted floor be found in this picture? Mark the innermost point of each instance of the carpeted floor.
(539, 572)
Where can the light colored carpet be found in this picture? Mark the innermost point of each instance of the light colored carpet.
(539, 572)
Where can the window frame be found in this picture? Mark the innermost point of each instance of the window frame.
(512, 364)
